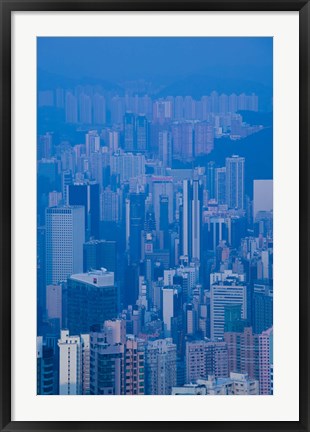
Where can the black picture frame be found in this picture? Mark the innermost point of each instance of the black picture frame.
(6, 8)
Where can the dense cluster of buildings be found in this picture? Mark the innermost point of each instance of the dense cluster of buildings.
(152, 280)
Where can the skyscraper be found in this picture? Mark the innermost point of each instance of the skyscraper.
(64, 242)
(91, 300)
(136, 224)
(142, 133)
(220, 185)
(235, 182)
(87, 194)
(73, 364)
(191, 219)
(165, 148)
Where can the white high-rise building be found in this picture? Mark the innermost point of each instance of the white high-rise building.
(235, 182)
(232, 291)
(74, 364)
(65, 235)
(70, 364)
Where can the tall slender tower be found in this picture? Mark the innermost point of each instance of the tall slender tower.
(191, 219)
(235, 182)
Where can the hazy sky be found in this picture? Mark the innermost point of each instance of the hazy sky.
(125, 58)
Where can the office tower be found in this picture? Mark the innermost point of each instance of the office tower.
(235, 182)
(162, 185)
(203, 138)
(99, 109)
(142, 133)
(92, 142)
(160, 367)
(54, 303)
(45, 372)
(64, 242)
(71, 108)
(164, 213)
(74, 358)
(92, 299)
(220, 185)
(205, 358)
(127, 165)
(262, 197)
(136, 225)
(129, 132)
(232, 291)
(98, 254)
(165, 148)
(196, 221)
(211, 180)
(85, 109)
(107, 353)
(262, 312)
(135, 362)
(191, 219)
(87, 195)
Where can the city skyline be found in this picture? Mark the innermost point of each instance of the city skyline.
(155, 219)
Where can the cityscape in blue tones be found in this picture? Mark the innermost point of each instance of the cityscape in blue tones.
(154, 216)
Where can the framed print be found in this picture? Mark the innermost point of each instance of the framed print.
(154, 162)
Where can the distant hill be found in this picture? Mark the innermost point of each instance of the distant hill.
(257, 150)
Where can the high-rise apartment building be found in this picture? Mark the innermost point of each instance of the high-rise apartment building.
(235, 182)
(86, 194)
(204, 357)
(160, 367)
